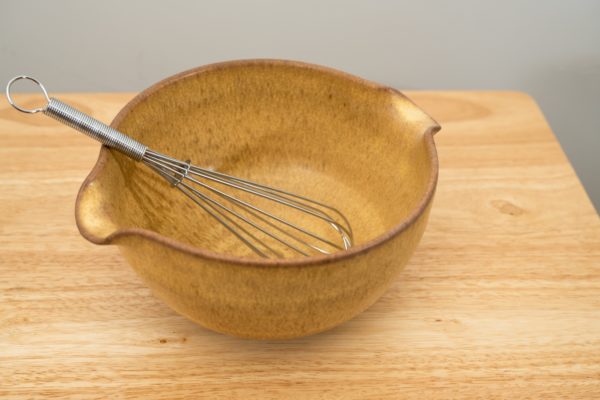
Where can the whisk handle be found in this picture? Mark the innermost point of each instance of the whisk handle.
(95, 129)
(80, 121)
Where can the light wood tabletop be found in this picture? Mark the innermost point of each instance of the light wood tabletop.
(501, 299)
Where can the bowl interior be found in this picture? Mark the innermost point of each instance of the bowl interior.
(322, 134)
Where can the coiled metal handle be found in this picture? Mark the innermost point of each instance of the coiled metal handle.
(82, 122)
(95, 129)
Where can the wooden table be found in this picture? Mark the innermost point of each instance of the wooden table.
(501, 300)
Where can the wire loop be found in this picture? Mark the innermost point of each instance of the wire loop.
(26, 110)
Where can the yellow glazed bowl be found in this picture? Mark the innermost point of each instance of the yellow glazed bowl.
(362, 147)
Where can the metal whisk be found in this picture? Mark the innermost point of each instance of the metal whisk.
(229, 200)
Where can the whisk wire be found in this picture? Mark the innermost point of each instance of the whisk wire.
(177, 172)
(205, 202)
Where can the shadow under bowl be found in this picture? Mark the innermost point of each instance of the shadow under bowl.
(362, 147)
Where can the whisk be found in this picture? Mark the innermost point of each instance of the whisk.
(258, 215)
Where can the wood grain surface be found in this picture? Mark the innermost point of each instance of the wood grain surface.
(501, 299)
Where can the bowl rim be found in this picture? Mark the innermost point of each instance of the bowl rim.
(249, 261)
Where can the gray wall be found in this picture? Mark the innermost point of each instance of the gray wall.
(550, 49)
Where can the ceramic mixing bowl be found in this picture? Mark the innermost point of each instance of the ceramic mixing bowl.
(359, 146)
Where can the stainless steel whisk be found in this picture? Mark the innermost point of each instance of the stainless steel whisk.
(269, 234)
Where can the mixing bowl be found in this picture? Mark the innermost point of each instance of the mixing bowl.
(359, 146)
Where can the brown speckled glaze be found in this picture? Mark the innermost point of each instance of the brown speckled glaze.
(345, 141)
